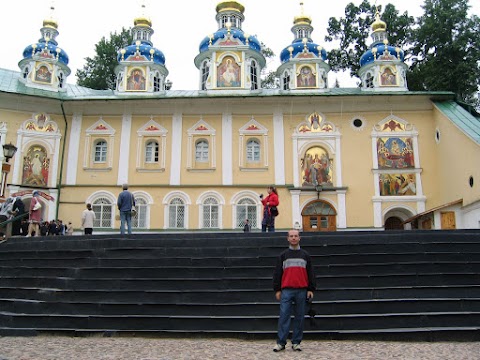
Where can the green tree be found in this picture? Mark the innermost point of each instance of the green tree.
(447, 50)
(99, 71)
(268, 79)
(353, 31)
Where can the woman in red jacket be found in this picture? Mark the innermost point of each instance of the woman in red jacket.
(269, 202)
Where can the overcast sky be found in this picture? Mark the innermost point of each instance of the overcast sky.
(179, 25)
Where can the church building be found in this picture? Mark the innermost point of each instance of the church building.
(376, 157)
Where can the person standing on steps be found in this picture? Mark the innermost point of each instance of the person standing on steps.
(88, 217)
(270, 203)
(35, 215)
(294, 284)
(247, 227)
(125, 203)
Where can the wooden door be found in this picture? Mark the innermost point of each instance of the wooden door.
(319, 216)
(448, 220)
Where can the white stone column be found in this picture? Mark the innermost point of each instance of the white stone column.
(175, 162)
(342, 209)
(296, 212)
(227, 141)
(123, 159)
(377, 214)
(296, 177)
(73, 149)
(279, 148)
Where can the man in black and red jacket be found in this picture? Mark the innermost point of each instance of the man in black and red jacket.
(294, 284)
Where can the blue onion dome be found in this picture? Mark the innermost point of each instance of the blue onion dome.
(245, 39)
(380, 48)
(302, 45)
(305, 46)
(230, 18)
(141, 51)
(141, 48)
(47, 46)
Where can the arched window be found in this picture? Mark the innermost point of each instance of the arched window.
(60, 80)
(100, 151)
(139, 221)
(151, 152)
(205, 73)
(286, 81)
(254, 75)
(176, 214)
(253, 150)
(103, 209)
(246, 209)
(369, 80)
(210, 212)
(201, 151)
(157, 83)
(25, 72)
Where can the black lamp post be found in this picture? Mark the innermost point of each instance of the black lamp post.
(9, 151)
(318, 189)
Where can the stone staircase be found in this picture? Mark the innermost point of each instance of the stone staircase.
(420, 282)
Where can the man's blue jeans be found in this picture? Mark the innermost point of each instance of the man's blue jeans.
(292, 302)
(125, 216)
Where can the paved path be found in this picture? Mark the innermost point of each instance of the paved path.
(133, 348)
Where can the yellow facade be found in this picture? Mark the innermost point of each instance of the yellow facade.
(227, 124)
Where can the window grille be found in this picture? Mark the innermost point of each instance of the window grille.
(176, 214)
(246, 209)
(210, 213)
(103, 209)
(286, 81)
(139, 221)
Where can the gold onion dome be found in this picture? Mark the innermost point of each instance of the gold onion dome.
(50, 23)
(230, 6)
(302, 18)
(379, 24)
(142, 21)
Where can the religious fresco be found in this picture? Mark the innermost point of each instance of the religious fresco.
(397, 184)
(306, 77)
(316, 123)
(136, 80)
(228, 73)
(43, 75)
(316, 167)
(388, 77)
(36, 166)
(395, 153)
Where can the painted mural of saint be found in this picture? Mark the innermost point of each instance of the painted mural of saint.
(228, 73)
(306, 77)
(35, 167)
(136, 80)
(317, 169)
(43, 75)
(388, 77)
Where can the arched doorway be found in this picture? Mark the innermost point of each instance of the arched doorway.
(393, 223)
(319, 216)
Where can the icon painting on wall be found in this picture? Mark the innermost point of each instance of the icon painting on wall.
(397, 184)
(228, 73)
(395, 153)
(306, 77)
(43, 75)
(136, 80)
(35, 167)
(316, 167)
